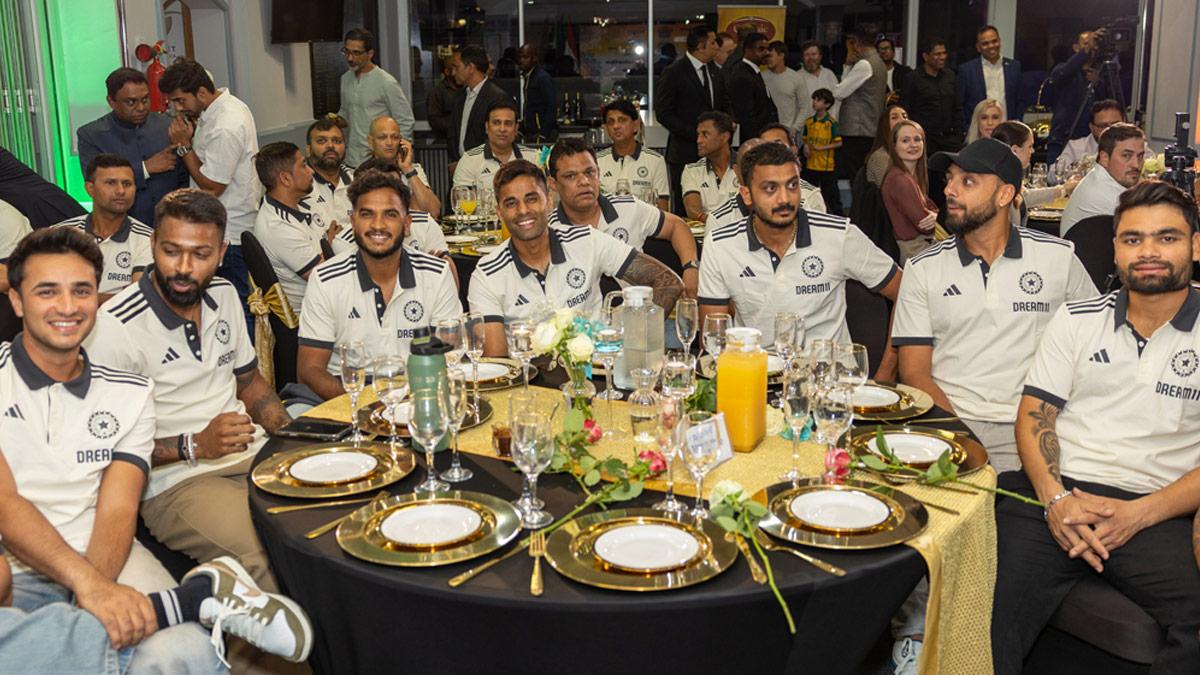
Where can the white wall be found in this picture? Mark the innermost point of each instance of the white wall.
(1174, 84)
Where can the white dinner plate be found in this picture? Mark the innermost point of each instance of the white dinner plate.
(333, 467)
(774, 364)
(460, 239)
(485, 249)
(874, 396)
(839, 509)
(487, 371)
(914, 448)
(430, 524)
(403, 413)
(646, 547)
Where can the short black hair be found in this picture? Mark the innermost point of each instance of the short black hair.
(372, 180)
(361, 35)
(623, 106)
(752, 39)
(1107, 104)
(105, 160)
(930, 42)
(778, 47)
(273, 159)
(723, 37)
(804, 46)
(121, 77)
(1149, 193)
(1012, 132)
(505, 103)
(776, 126)
(326, 123)
(697, 36)
(514, 170)
(193, 206)
(721, 120)
(565, 147)
(985, 29)
(825, 95)
(377, 164)
(1121, 131)
(474, 55)
(764, 154)
(53, 241)
(186, 76)
(882, 39)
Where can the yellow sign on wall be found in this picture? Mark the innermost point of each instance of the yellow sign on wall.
(769, 20)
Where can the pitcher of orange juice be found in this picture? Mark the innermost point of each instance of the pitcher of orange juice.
(742, 388)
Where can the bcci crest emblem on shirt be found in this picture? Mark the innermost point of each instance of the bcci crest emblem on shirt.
(103, 424)
(576, 277)
(124, 259)
(1184, 362)
(621, 234)
(812, 267)
(223, 331)
(642, 172)
(1031, 283)
(413, 311)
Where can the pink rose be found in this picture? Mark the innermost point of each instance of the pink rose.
(655, 459)
(594, 432)
(837, 465)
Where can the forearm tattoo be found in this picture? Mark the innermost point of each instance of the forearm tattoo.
(263, 406)
(646, 271)
(1044, 418)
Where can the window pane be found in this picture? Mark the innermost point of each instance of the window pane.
(955, 21)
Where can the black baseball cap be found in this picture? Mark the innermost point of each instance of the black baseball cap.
(985, 155)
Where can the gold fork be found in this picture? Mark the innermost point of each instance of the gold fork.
(537, 549)
(316, 532)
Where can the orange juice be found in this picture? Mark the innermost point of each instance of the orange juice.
(742, 388)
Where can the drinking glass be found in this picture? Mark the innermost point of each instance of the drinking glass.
(474, 332)
(649, 195)
(789, 336)
(468, 199)
(700, 456)
(352, 357)
(715, 325)
(820, 359)
(622, 187)
(678, 374)
(428, 425)
(523, 401)
(532, 450)
(797, 390)
(643, 405)
(609, 341)
(390, 382)
(1038, 173)
(851, 361)
(686, 312)
(450, 332)
(459, 401)
(668, 435)
(833, 413)
(457, 197)
(520, 344)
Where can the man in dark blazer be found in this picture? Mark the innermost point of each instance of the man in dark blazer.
(682, 97)
(972, 81)
(138, 135)
(896, 72)
(751, 105)
(476, 96)
(539, 120)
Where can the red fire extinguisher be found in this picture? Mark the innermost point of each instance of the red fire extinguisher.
(146, 53)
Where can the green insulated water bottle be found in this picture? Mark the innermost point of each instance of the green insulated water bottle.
(427, 367)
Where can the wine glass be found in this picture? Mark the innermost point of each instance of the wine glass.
(851, 363)
(390, 382)
(686, 312)
(468, 200)
(797, 390)
(352, 358)
(523, 401)
(833, 413)
(668, 435)
(450, 332)
(609, 340)
(678, 374)
(474, 332)
(532, 450)
(820, 356)
(715, 325)
(789, 336)
(459, 401)
(520, 344)
(457, 197)
(1038, 173)
(428, 425)
(700, 455)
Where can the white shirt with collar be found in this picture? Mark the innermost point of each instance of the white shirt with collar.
(479, 164)
(858, 75)
(329, 202)
(809, 279)
(1096, 195)
(126, 252)
(504, 289)
(226, 141)
(643, 168)
(993, 82)
(984, 322)
(424, 235)
(628, 220)
(194, 366)
(292, 240)
(734, 210)
(700, 178)
(345, 304)
(1129, 406)
(703, 74)
(823, 79)
(1075, 151)
(59, 437)
(472, 94)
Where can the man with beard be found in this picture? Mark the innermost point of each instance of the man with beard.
(783, 258)
(388, 144)
(331, 178)
(422, 233)
(368, 93)
(1107, 431)
(544, 268)
(378, 294)
(124, 241)
(575, 176)
(735, 210)
(1119, 159)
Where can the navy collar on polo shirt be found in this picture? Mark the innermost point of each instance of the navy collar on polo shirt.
(343, 177)
(405, 274)
(607, 211)
(298, 215)
(637, 152)
(119, 236)
(35, 378)
(488, 154)
(162, 310)
(803, 233)
(557, 255)
(1011, 250)
(1183, 321)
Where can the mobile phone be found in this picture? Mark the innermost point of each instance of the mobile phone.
(315, 429)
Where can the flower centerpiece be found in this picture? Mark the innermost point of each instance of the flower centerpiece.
(567, 337)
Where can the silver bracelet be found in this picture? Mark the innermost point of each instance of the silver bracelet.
(1054, 500)
(189, 449)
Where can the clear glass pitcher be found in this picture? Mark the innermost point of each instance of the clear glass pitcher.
(642, 321)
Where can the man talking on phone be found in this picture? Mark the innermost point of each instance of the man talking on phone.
(387, 144)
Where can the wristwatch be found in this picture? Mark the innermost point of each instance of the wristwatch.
(182, 150)
(187, 449)
(410, 174)
(691, 265)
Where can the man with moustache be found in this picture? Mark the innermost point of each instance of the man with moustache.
(481, 162)
(378, 294)
(388, 144)
(422, 233)
(331, 177)
(1122, 151)
(368, 92)
(734, 209)
(1107, 429)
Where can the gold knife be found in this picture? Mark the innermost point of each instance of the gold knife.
(319, 505)
(471, 573)
(756, 572)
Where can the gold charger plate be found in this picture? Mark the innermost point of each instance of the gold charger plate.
(907, 519)
(359, 533)
(273, 475)
(707, 369)
(569, 551)
(966, 452)
(372, 421)
(510, 379)
(915, 403)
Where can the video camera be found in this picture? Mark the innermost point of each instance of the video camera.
(1180, 157)
(1115, 36)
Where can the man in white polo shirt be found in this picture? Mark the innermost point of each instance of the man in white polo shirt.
(1107, 430)
(379, 293)
(734, 209)
(423, 232)
(179, 326)
(710, 181)
(784, 258)
(478, 164)
(331, 177)
(574, 175)
(544, 268)
(1122, 151)
(124, 240)
(387, 144)
(972, 308)
(626, 159)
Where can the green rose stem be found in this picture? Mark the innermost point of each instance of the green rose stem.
(739, 515)
(787, 612)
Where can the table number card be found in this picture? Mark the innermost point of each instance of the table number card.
(712, 432)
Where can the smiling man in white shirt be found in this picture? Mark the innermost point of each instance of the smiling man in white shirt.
(1119, 160)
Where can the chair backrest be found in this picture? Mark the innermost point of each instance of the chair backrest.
(867, 317)
(1093, 239)
(286, 339)
(869, 213)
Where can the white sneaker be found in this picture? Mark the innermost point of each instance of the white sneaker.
(271, 622)
(904, 656)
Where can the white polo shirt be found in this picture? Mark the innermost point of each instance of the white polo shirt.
(809, 280)
(734, 210)
(1096, 195)
(59, 437)
(479, 164)
(504, 289)
(345, 304)
(329, 202)
(984, 323)
(1129, 405)
(126, 252)
(625, 218)
(424, 235)
(226, 141)
(194, 367)
(292, 240)
(643, 168)
(700, 178)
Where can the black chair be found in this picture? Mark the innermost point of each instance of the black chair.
(264, 280)
(868, 212)
(868, 316)
(1093, 239)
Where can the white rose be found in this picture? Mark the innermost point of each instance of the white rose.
(563, 318)
(727, 490)
(544, 337)
(580, 348)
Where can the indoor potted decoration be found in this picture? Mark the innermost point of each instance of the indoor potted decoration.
(567, 337)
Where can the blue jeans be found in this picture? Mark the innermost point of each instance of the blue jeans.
(233, 268)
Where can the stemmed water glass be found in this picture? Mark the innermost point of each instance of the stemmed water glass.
(474, 331)
(458, 195)
(678, 374)
(700, 456)
(668, 434)
(353, 360)
(715, 325)
(789, 336)
(518, 402)
(428, 425)
(833, 412)
(390, 382)
(850, 359)
(459, 403)
(609, 341)
(796, 395)
(686, 313)
(821, 357)
(520, 344)
(532, 450)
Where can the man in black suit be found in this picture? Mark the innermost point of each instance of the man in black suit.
(687, 88)
(477, 95)
(752, 106)
(896, 72)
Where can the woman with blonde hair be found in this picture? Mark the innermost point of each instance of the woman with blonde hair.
(987, 116)
(905, 190)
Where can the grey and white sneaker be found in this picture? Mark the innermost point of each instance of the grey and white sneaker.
(905, 654)
(271, 622)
